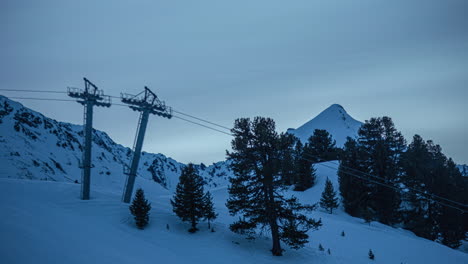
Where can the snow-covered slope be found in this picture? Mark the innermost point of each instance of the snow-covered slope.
(36, 147)
(335, 120)
(463, 169)
(44, 217)
(46, 222)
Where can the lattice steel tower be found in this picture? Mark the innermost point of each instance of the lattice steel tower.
(146, 103)
(89, 97)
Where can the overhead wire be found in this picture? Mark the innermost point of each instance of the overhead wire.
(111, 96)
(193, 122)
(390, 186)
(200, 119)
(33, 91)
(310, 155)
(43, 99)
(190, 121)
(385, 180)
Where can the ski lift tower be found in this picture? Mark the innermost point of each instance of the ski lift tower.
(146, 103)
(89, 97)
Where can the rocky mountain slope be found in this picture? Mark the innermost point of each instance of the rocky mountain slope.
(36, 147)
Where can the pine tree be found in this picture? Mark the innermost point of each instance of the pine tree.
(452, 222)
(140, 209)
(188, 201)
(329, 252)
(297, 159)
(287, 151)
(329, 201)
(321, 247)
(342, 233)
(353, 190)
(208, 210)
(305, 175)
(321, 147)
(428, 170)
(371, 254)
(381, 148)
(417, 173)
(255, 190)
(304, 170)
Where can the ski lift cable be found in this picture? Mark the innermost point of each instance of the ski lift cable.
(321, 164)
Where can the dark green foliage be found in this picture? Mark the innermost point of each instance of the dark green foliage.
(420, 215)
(329, 201)
(428, 170)
(371, 254)
(209, 210)
(305, 176)
(452, 223)
(378, 153)
(304, 170)
(188, 201)
(382, 146)
(287, 157)
(140, 209)
(321, 147)
(293, 224)
(256, 189)
(353, 190)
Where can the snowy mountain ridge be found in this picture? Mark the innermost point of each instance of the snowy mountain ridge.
(37, 147)
(335, 120)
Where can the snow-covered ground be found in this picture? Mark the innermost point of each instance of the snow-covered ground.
(46, 222)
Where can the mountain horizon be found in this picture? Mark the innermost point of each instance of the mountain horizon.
(335, 120)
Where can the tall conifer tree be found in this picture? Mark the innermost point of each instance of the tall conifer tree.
(255, 190)
(382, 146)
(353, 190)
(140, 208)
(321, 146)
(304, 169)
(329, 201)
(287, 152)
(188, 201)
(209, 210)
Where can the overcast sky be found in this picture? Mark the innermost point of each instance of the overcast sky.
(221, 60)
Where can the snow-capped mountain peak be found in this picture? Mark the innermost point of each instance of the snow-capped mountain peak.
(335, 120)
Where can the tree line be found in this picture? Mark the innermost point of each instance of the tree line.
(399, 184)
(265, 163)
